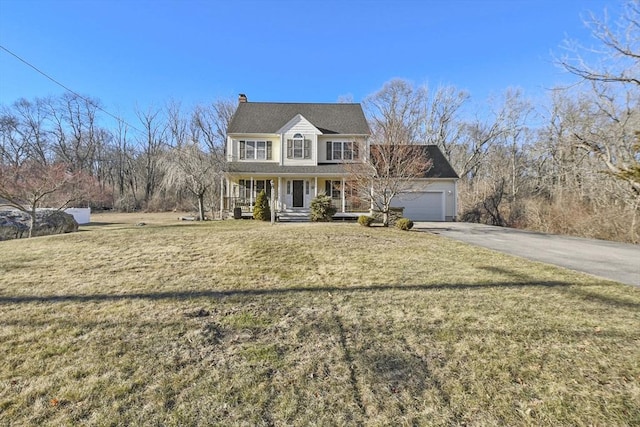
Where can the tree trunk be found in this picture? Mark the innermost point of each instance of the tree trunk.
(385, 217)
(201, 206)
(32, 225)
(634, 217)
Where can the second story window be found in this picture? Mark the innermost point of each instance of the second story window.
(298, 147)
(342, 150)
(255, 150)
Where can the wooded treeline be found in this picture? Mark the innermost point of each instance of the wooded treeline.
(569, 166)
(157, 163)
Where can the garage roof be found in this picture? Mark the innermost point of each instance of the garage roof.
(440, 167)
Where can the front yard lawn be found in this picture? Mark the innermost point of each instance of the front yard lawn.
(244, 323)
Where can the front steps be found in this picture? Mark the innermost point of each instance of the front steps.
(294, 215)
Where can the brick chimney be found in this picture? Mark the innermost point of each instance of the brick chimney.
(242, 98)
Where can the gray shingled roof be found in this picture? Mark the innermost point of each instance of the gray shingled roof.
(440, 168)
(269, 117)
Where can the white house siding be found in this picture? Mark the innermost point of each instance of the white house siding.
(299, 124)
(322, 146)
(302, 126)
(233, 146)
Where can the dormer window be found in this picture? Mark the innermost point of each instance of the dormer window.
(298, 147)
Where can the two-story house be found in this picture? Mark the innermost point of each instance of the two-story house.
(303, 149)
(300, 148)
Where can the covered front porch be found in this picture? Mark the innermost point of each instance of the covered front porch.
(290, 194)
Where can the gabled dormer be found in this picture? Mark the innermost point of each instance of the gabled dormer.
(299, 142)
(296, 134)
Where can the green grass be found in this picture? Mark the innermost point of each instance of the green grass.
(244, 323)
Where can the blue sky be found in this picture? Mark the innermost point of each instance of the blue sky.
(138, 53)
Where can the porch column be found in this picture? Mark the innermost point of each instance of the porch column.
(279, 193)
(344, 203)
(272, 203)
(222, 180)
(315, 186)
(251, 194)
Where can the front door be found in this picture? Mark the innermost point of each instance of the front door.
(298, 194)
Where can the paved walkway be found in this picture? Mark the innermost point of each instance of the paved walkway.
(610, 260)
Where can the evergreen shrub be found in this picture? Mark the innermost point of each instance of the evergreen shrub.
(365, 220)
(321, 208)
(404, 224)
(261, 209)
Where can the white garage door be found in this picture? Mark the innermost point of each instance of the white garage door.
(422, 206)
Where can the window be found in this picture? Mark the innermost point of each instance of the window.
(347, 150)
(255, 150)
(342, 150)
(337, 151)
(298, 147)
(258, 185)
(332, 188)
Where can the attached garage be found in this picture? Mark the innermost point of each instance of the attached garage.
(422, 206)
(432, 196)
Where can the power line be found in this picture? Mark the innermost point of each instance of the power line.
(68, 89)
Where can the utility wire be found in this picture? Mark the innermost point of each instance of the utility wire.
(68, 89)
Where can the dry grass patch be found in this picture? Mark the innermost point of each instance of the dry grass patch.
(241, 322)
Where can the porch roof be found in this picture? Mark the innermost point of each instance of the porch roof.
(270, 168)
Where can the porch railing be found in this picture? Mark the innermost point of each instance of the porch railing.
(246, 204)
(351, 205)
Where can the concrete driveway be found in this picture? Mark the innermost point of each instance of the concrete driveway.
(614, 261)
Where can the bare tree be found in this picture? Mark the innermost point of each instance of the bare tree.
(177, 125)
(613, 79)
(75, 131)
(32, 185)
(13, 148)
(194, 162)
(618, 53)
(390, 172)
(345, 99)
(397, 113)
(24, 132)
(213, 121)
(152, 144)
(123, 169)
(479, 137)
(189, 167)
(445, 127)
(517, 111)
(209, 128)
(612, 138)
(397, 117)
